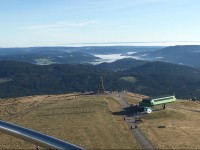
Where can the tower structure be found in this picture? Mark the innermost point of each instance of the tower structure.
(100, 88)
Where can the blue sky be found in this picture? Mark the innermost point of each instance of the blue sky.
(61, 22)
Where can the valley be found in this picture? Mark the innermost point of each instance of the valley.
(187, 55)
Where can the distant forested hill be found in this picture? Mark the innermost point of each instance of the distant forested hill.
(159, 78)
(66, 55)
(151, 78)
(186, 55)
(19, 78)
(46, 56)
(122, 64)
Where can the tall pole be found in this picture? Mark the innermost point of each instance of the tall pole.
(101, 86)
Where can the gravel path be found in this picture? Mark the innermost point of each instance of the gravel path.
(130, 120)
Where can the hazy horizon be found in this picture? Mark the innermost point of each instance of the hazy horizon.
(31, 23)
(159, 44)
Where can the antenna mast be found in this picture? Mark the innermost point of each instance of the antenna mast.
(100, 88)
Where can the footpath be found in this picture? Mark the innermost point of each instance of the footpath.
(130, 119)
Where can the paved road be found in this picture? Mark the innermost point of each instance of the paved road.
(130, 120)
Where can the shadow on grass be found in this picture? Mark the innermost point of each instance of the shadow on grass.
(128, 111)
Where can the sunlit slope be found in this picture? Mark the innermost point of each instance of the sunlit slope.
(83, 120)
(181, 126)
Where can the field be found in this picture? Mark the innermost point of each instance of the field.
(3, 80)
(129, 79)
(44, 61)
(86, 121)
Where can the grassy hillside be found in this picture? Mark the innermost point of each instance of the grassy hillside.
(177, 127)
(83, 120)
(180, 119)
(88, 122)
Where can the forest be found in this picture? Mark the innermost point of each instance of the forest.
(150, 78)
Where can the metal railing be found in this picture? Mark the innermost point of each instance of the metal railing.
(34, 137)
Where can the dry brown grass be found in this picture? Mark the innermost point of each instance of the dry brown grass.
(181, 120)
(182, 127)
(83, 120)
(186, 104)
(115, 107)
(134, 98)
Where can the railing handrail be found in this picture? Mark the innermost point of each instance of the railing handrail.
(34, 137)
